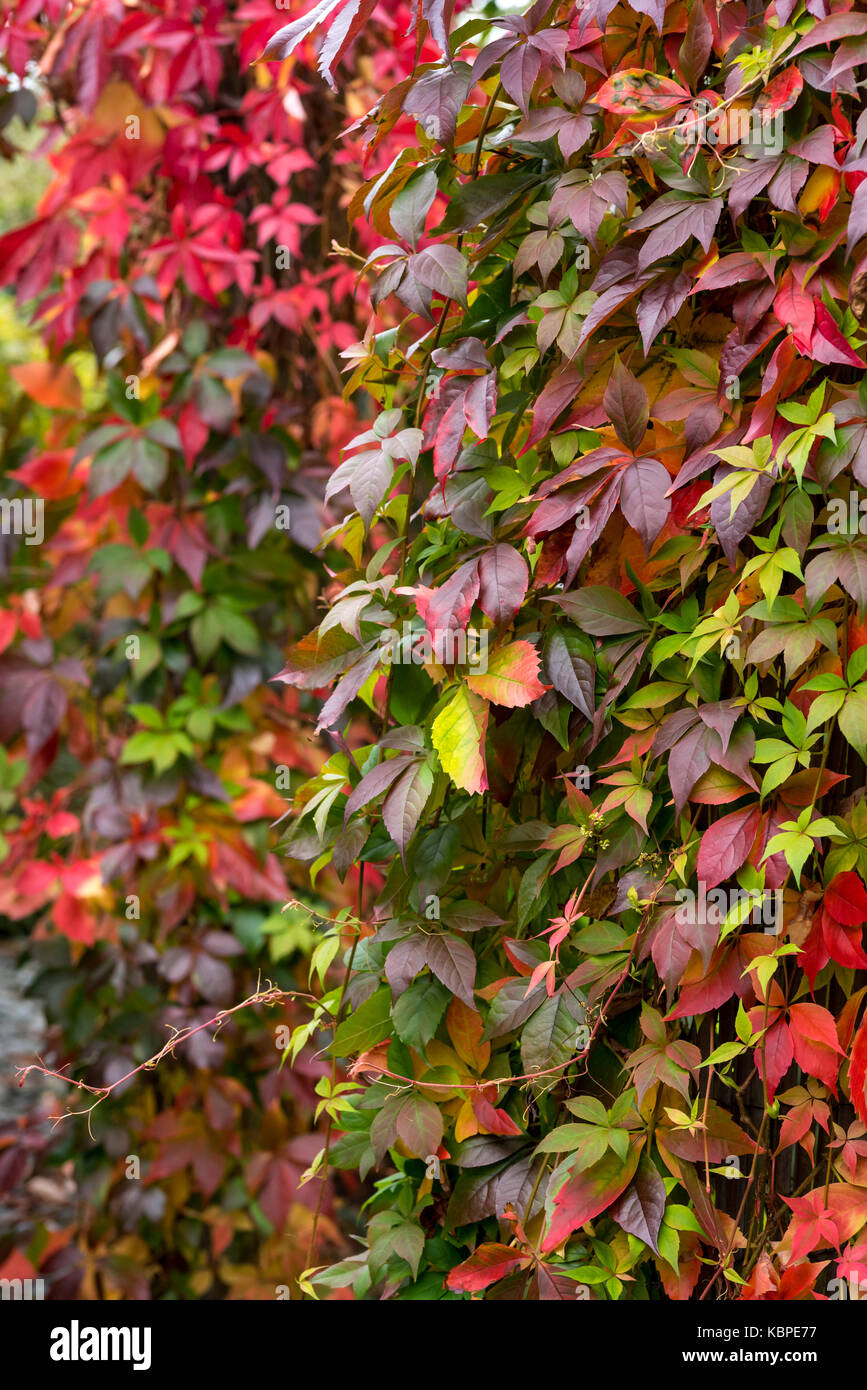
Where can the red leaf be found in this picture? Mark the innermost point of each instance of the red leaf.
(782, 92)
(488, 1264)
(585, 1194)
(625, 400)
(814, 1040)
(858, 1073)
(492, 1121)
(726, 844)
(846, 899)
(634, 90)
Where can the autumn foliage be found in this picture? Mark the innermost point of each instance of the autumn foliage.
(603, 1006)
(572, 432)
(177, 411)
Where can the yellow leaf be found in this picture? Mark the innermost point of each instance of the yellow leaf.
(458, 735)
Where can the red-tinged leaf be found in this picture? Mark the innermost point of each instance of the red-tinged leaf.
(570, 674)
(314, 661)
(404, 961)
(486, 1266)
(674, 220)
(639, 1210)
(815, 1023)
(458, 735)
(342, 29)
(697, 45)
(443, 269)
(829, 30)
(782, 91)
(586, 201)
(558, 393)
(512, 677)
(847, 1016)
(718, 984)
(633, 91)
(607, 305)
(823, 1220)
(814, 1040)
(625, 401)
(375, 782)
(670, 949)
(419, 1124)
(576, 1197)
(453, 961)
(717, 787)
(480, 403)
(448, 608)
(405, 802)
(844, 944)
(659, 304)
(828, 344)
(845, 899)
(857, 224)
(518, 72)
(503, 580)
(796, 309)
(437, 97)
(492, 1121)
(858, 1073)
(726, 844)
(776, 1052)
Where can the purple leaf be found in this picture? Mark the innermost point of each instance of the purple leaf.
(643, 498)
(375, 782)
(503, 580)
(570, 674)
(454, 964)
(659, 304)
(625, 400)
(404, 804)
(640, 1209)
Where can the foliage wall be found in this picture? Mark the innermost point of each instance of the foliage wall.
(170, 394)
(605, 574)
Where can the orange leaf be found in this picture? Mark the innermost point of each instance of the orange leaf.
(49, 383)
(465, 1029)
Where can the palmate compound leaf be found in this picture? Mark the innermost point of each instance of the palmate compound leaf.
(343, 21)
(369, 472)
(458, 735)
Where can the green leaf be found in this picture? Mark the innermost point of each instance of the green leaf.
(418, 1011)
(366, 1026)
